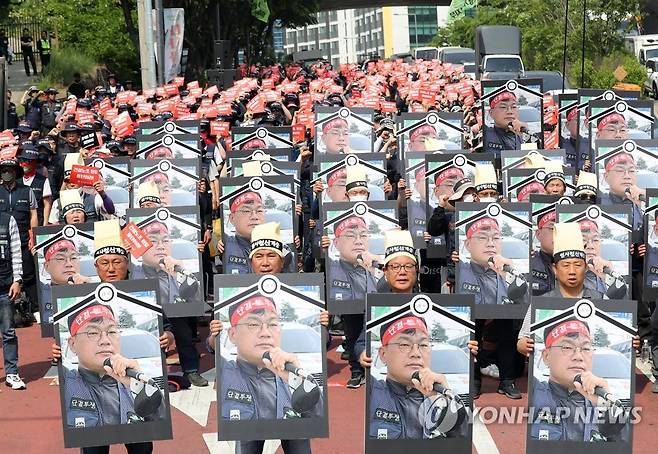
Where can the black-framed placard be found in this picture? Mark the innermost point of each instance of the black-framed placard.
(588, 341)
(493, 241)
(424, 334)
(356, 250)
(176, 180)
(120, 322)
(276, 314)
(607, 237)
(173, 259)
(342, 130)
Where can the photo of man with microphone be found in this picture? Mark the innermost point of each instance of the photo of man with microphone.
(620, 175)
(488, 275)
(336, 137)
(264, 381)
(106, 388)
(573, 389)
(600, 275)
(177, 285)
(506, 131)
(413, 401)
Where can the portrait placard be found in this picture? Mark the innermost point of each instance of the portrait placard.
(176, 180)
(261, 137)
(116, 176)
(340, 130)
(430, 132)
(168, 146)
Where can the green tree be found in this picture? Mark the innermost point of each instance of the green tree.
(109, 180)
(601, 338)
(542, 30)
(605, 231)
(175, 183)
(288, 313)
(506, 230)
(438, 333)
(126, 319)
(631, 123)
(175, 232)
(83, 249)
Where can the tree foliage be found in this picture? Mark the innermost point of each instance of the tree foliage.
(96, 28)
(542, 33)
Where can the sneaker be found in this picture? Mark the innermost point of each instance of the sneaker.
(358, 379)
(491, 370)
(196, 379)
(14, 381)
(509, 389)
(345, 356)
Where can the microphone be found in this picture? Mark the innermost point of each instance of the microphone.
(606, 270)
(601, 392)
(70, 280)
(438, 387)
(361, 262)
(510, 128)
(306, 392)
(507, 268)
(290, 367)
(179, 269)
(640, 196)
(132, 373)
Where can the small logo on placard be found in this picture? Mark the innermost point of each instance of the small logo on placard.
(234, 414)
(80, 422)
(382, 434)
(543, 434)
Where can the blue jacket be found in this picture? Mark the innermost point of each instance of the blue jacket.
(548, 425)
(83, 410)
(470, 281)
(541, 272)
(341, 285)
(497, 140)
(240, 400)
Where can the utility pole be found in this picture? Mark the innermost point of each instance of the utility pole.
(160, 38)
(146, 52)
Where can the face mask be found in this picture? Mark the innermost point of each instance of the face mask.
(487, 199)
(359, 198)
(469, 198)
(8, 176)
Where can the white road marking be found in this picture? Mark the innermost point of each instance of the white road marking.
(482, 439)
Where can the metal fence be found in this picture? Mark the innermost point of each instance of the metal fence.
(15, 30)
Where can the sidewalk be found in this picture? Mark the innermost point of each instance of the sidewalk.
(17, 81)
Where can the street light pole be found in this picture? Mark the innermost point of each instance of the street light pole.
(416, 29)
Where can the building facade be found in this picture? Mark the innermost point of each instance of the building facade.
(353, 35)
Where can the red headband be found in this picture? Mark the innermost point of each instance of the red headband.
(483, 223)
(504, 96)
(618, 158)
(247, 197)
(572, 114)
(612, 118)
(88, 315)
(548, 217)
(564, 328)
(586, 224)
(59, 245)
(335, 123)
(401, 326)
(352, 222)
(253, 144)
(422, 130)
(160, 152)
(253, 304)
(337, 175)
(531, 188)
(448, 173)
(155, 227)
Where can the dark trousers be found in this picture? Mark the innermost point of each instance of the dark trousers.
(184, 332)
(352, 326)
(288, 446)
(29, 278)
(45, 60)
(132, 448)
(505, 333)
(27, 59)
